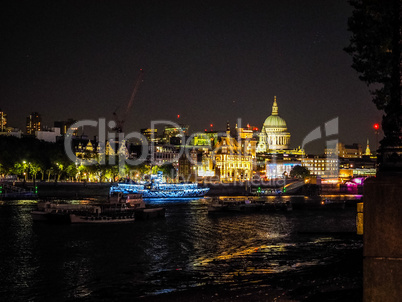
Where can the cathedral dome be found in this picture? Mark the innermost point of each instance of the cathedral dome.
(274, 122)
(274, 135)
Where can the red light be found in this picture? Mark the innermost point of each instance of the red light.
(178, 116)
(376, 126)
(255, 129)
(211, 125)
(205, 130)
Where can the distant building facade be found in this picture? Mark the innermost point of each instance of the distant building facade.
(3, 121)
(49, 135)
(34, 123)
(321, 166)
(65, 126)
(346, 151)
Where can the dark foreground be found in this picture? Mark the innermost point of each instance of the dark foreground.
(188, 256)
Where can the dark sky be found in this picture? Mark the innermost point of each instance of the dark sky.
(208, 61)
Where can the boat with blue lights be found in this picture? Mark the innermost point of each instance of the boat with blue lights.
(156, 188)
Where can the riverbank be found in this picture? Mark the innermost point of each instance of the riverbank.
(72, 190)
(101, 190)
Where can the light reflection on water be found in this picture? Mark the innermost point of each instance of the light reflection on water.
(188, 248)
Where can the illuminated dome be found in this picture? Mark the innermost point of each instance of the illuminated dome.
(274, 122)
(274, 135)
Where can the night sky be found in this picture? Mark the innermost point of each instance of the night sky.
(208, 61)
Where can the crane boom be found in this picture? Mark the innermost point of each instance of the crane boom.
(120, 122)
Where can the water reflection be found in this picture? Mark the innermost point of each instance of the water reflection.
(187, 249)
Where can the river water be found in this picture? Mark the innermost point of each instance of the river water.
(188, 251)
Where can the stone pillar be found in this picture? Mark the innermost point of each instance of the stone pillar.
(382, 235)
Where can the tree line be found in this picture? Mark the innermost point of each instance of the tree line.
(31, 159)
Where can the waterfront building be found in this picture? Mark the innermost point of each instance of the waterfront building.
(274, 135)
(280, 168)
(321, 166)
(205, 167)
(357, 167)
(164, 154)
(34, 123)
(232, 163)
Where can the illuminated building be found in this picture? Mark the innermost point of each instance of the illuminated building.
(321, 166)
(3, 121)
(205, 168)
(34, 123)
(204, 139)
(365, 166)
(280, 168)
(99, 151)
(175, 135)
(164, 154)
(248, 143)
(232, 163)
(150, 134)
(274, 135)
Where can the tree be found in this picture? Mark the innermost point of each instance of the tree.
(168, 170)
(375, 47)
(299, 172)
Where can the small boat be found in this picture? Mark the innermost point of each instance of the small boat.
(232, 205)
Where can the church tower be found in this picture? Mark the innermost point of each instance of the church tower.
(368, 151)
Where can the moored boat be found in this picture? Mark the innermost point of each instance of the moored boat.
(121, 208)
(156, 188)
(247, 204)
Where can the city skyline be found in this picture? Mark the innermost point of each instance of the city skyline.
(210, 63)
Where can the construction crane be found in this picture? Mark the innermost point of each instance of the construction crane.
(120, 122)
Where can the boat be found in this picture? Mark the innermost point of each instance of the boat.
(247, 204)
(121, 208)
(156, 188)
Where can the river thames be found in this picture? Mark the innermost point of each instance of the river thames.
(190, 256)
